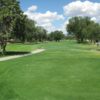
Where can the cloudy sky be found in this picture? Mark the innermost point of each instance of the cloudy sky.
(54, 14)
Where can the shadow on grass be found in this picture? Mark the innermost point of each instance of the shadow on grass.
(11, 53)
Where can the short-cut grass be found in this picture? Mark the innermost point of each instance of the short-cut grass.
(65, 71)
(22, 47)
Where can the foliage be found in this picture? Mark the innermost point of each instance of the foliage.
(19, 27)
(83, 28)
(40, 34)
(9, 10)
(30, 30)
(56, 35)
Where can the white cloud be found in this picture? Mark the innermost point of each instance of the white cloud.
(44, 19)
(75, 8)
(85, 8)
(32, 8)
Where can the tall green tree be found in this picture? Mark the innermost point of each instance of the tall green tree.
(30, 30)
(24, 29)
(18, 31)
(9, 10)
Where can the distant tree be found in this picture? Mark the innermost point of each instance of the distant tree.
(94, 32)
(30, 30)
(76, 27)
(56, 35)
(83, 28)
(41, 34)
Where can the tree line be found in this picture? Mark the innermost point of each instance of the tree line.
(15, 26)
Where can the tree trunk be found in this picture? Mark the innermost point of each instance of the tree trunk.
(3, 47)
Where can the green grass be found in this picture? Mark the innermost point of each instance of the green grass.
(65, 71)
(19, 48)
(22, 47)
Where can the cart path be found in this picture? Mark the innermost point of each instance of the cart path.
(18, 56)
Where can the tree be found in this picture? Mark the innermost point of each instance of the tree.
(94, 32)
(19, 27)
(9, 10)
(30, 30)
(83, 28)
(76, 27)
(40, 34)
(56, 35)
(24, 29)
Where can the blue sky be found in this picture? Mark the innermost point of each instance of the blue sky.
(44, 5)
(54, 14)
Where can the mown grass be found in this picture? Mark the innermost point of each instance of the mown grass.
(22, 47)
(65, 71)
(19, 48)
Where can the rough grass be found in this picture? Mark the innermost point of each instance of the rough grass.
(65, 71)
